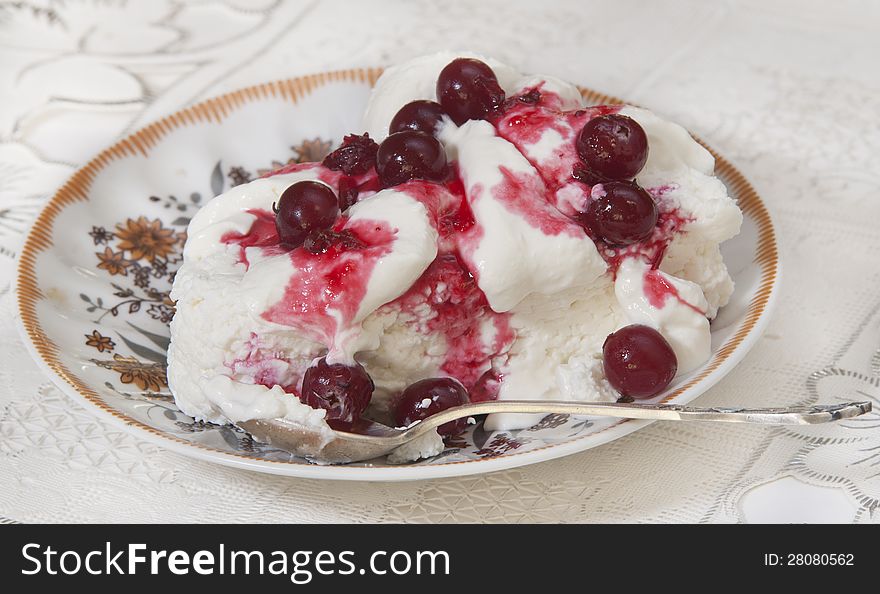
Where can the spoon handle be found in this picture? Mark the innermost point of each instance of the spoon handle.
(793, 415)
(380, 439)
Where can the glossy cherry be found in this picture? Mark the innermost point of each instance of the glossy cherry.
(468, 90)
(410, 155)
(613, 146)
(429, 397)
(623, 215)
(344, 391)
(639, 363)
(304, 207)
(421, 116)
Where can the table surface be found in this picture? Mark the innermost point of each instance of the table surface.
(787, 89)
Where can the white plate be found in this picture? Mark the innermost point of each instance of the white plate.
(96, 268)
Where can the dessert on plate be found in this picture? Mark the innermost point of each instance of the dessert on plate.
(485, 235)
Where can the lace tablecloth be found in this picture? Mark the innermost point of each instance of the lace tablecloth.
(787, 89)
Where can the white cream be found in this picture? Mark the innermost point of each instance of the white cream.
(680, 163)
(241, 402)
(426, 446)
(569, 96)
(415, 246)
(221, 303)
(514, 258)
(559, 340)
(680, 315)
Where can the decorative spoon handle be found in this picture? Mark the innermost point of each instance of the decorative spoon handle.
(794, 415)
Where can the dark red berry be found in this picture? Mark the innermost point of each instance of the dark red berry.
(421, 116)
(355, 156)
(468, 90)
(624, 215)
(410, 155)
(639, 363)
(344, 391)
(613, 146)
(304, 207)
(429, 397)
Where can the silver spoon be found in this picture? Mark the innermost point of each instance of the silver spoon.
(378, 439)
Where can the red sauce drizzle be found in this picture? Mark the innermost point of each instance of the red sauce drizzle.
(262, 234)
(335, 280)
(459, 312)
(658, 290)
(517, 192)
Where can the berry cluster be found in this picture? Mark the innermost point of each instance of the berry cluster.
(614, 148)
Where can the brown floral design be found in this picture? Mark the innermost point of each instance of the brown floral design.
(308, 151)
(311, 150)
(146, 376)
(162, 312)
(113, 262)
(100, 235)
(551, 421)
(500, 444)
(146, 251)
(238, 176)
(102, 343)
(146, 240)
